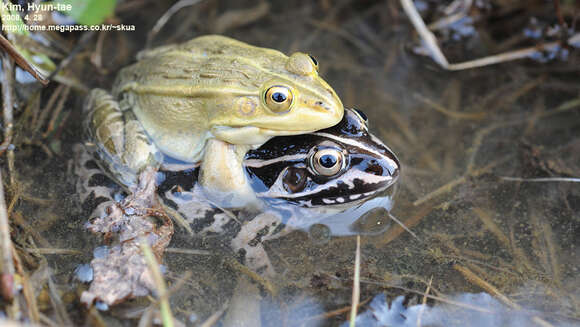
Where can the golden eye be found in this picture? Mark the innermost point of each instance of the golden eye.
(278, 98)
(327, 162)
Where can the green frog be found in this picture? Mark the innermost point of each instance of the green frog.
(206, 101)
(298, 180)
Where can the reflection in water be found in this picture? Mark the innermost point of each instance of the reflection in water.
(466, 309)
(305, 311)
(368, 218)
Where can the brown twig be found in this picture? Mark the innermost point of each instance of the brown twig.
(6, 260)
(356, 284)
(432, 297)
(21, 61)
(542, 179)
(396, 231)
(232, 19)
(61, 313)
(30, 229)
(510, 99)
(213, 319)
(548, 249)
(84, 39)
(96, 57)
(8, 104)
(453, 114)
(560, 17)
(458, 181)
(336, 312)
(56, 113)
(39, 120)
(162, 294)
(473, 278)
(480, 136)
(403, 226)
(31, 304)
(437, 55)
(335, 30)
(330, 15)
(424, 302)
(165, 18)
(264, 282)
(427, 36)
(53, 251)
(7, 101)
(496, 231)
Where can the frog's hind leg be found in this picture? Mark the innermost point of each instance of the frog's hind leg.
(117, 137)
(95, 189)
(248, 241)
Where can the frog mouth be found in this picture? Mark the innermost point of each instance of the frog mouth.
(252, 135)
(336, 195)
(332, 198)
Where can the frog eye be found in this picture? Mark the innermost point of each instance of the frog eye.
(278, 98)
(361, 114)
(302, 64)
(327, 162)
(294, 180)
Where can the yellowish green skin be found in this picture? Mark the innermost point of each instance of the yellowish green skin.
(214, 87)
(210, 88)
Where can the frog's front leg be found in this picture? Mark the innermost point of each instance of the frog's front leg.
(117, 137)
(222, 176)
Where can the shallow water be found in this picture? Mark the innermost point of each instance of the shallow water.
(456, 135)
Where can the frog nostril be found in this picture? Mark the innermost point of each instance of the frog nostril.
(374, 168)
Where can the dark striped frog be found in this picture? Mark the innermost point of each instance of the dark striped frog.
(296, 181)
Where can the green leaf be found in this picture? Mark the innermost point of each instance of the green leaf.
(89, 12)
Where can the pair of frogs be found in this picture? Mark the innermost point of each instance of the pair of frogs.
(238, 126)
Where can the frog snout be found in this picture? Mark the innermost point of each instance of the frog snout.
(387, 167)
(392, 166)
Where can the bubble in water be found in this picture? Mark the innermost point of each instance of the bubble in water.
(101, 306)
(84, 273)
(101, 252)
(319, 233)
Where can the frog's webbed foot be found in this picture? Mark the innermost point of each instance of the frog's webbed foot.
(249, 240)
(118, 138)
